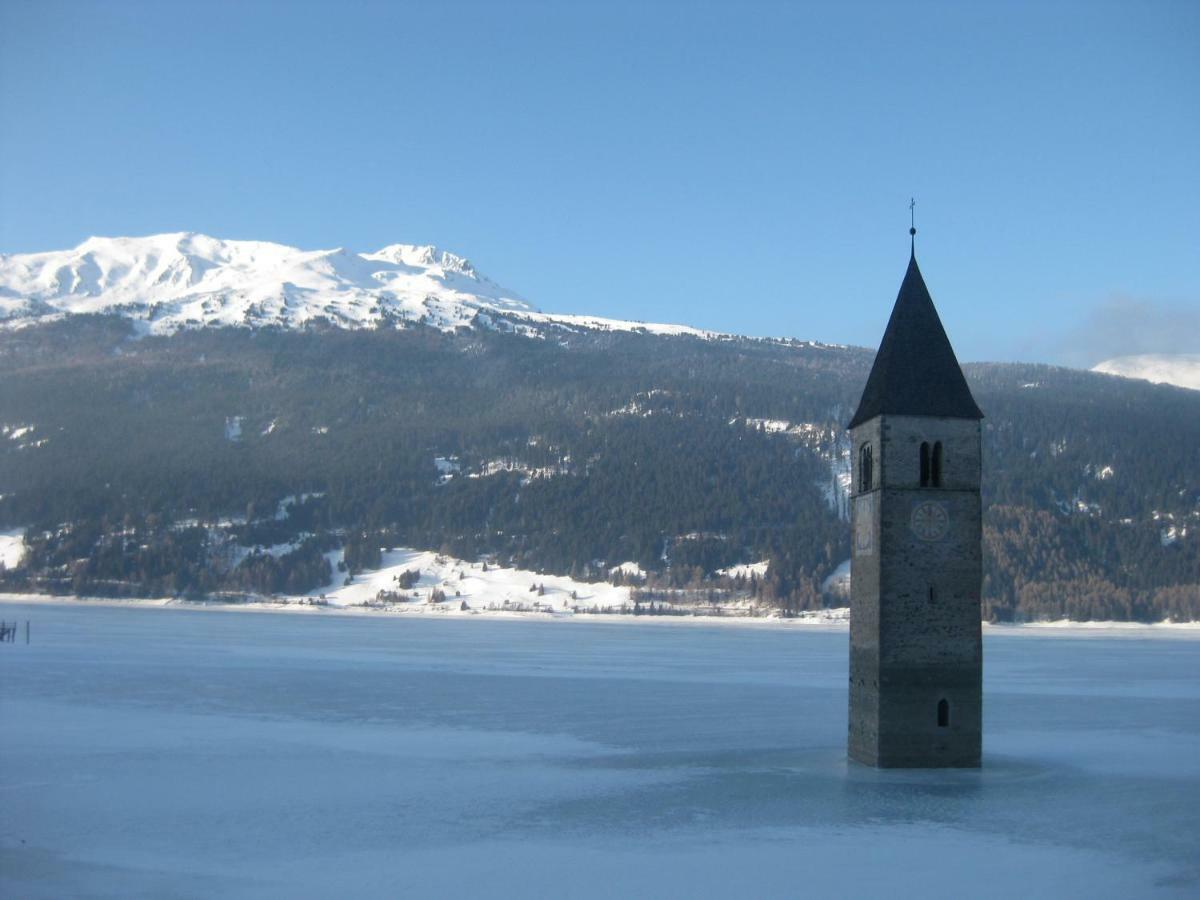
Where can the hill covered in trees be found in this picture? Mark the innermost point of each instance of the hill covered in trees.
(148, 466)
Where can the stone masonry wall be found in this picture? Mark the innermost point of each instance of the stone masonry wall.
(912, 648)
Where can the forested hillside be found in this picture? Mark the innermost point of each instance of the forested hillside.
(140, 467)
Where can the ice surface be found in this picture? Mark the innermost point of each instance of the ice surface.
(167, 752)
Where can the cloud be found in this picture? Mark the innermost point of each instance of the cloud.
(1123, 326)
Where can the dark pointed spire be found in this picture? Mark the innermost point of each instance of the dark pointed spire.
(916, 372)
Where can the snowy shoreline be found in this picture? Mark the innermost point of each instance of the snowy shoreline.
(424, 584)
(832, 619)
(828, 619)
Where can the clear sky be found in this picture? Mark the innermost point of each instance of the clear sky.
(742, 166)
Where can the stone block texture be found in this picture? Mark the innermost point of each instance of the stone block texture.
(916, 656)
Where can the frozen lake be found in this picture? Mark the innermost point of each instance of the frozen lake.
(164, 752)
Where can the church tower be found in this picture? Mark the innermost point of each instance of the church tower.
(916, 649)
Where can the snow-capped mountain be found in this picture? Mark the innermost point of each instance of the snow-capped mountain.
(1179, 369)
(170, 281)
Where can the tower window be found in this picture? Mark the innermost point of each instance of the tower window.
(943, 713)
(932, 594)
(925, 464)
(866, 466)
(936, 468)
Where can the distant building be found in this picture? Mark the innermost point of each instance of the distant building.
(916, 651)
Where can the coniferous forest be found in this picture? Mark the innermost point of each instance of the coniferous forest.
(139, 466)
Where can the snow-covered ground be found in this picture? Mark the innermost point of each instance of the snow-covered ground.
(424, 583)
(12, 547)
(477, 585)
(628, 568)
(180, 753)
(1179, 369)
(747, 570)
(838, 582)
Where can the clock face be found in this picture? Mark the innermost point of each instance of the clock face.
(930, 521)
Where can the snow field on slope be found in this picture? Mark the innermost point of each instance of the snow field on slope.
(166, 282)
(746, 570)
(496, 589)
(462, 581)
(171, 281)
(1179, 369)
(12, 547)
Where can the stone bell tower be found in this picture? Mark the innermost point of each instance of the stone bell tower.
(916, 651)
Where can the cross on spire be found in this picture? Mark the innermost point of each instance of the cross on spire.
(915, 372)
(912, 225)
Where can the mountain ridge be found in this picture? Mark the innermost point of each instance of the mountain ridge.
(167, 282)
(133, 466)
(171, 281)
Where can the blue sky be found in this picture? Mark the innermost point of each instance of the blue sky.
(744, 166)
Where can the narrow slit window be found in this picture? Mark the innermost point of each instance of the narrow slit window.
(936, 468)
(932, 594)
(925, 464)
(866, 466)
(943, 713)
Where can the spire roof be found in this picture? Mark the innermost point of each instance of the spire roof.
(916, 372)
